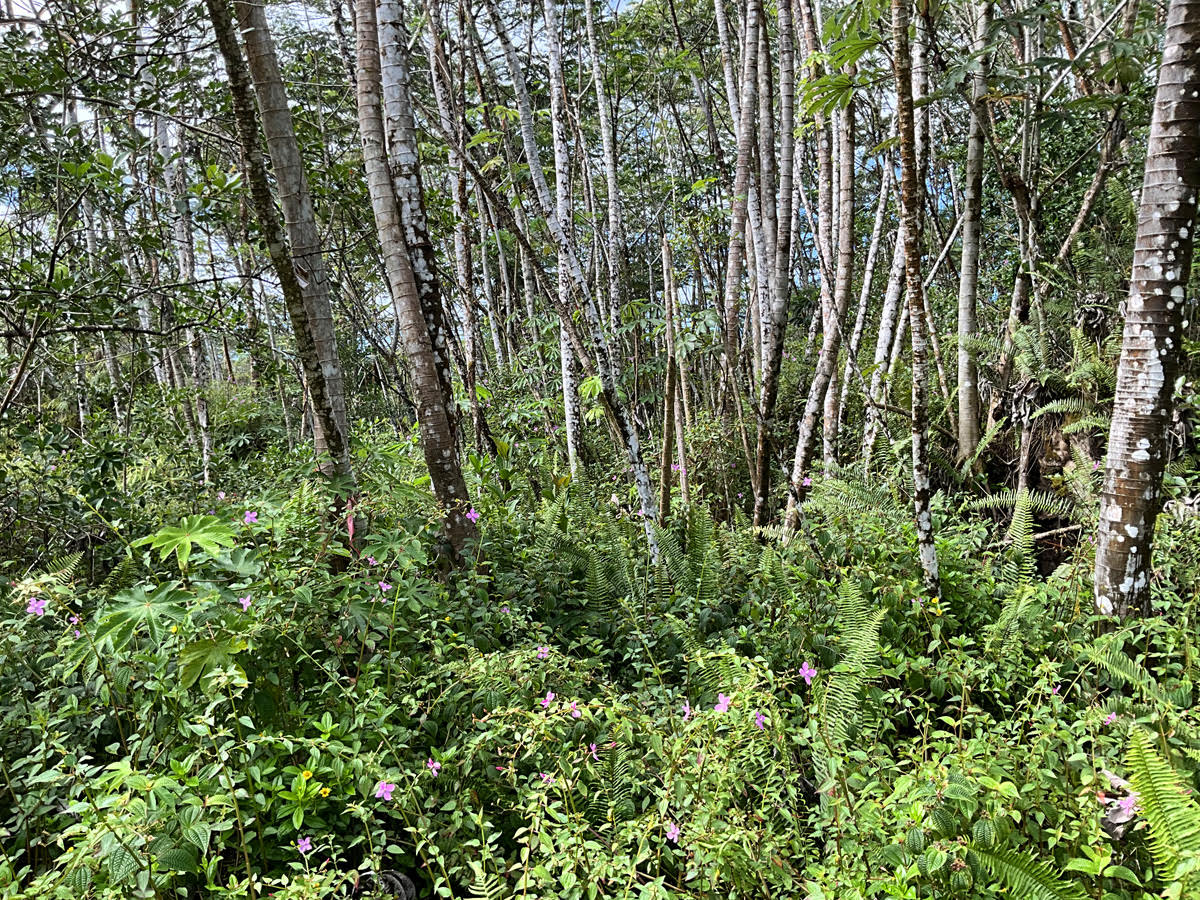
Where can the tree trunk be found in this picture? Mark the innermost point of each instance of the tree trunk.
(911, 203)
(668, 432)
(845, 265)
(1150, 349)
(433, 417)
(968, 284)
(295, 266)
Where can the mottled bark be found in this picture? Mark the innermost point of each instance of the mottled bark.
(774, 326)
(433, 417)
(294, 267)
(1151, 343)
(910, 203)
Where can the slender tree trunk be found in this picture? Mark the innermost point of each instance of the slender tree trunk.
(668, 432)
(404, 164)
(968, 284)
(845, 265)
(433, 417)
(911, 203)
(864, 295)
(607, 365)
(1151, 344)
(775, 321)
(294, 267)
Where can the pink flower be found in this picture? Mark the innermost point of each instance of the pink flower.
(759, 719)
(674, 467)
(251, 517)
(687, 710)
(473, 515)
(220, 495)
(575, 713)
(807, 482)
(546, 701)
(383, 790)
(1128, 802)
(673, 833)
(543, 652)
(371, 561)
(384, 586)
(504, 609)
(74, 620)
(547, 777)
(304, 845)
(245, 601)
(722, 703)
(433, 766)
(1110, 718)
(36, 607)
(595, 755)
(807, 672)
(1054, 690)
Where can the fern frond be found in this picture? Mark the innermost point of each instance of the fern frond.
(1040, 502)
(1174, 818)
(1026, 877)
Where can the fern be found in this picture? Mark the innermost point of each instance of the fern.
(1026, 877)
(1174, 818)
(1040, 502)
(485, 885)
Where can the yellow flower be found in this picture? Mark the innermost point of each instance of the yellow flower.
(306, 774)
(324, 792)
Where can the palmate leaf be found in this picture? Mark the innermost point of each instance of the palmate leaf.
(208, 533)
(135, 608)
(205, 656)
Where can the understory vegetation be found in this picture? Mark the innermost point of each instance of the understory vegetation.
(209, 693)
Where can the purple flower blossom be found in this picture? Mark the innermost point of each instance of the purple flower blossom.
(548, 699)
(807, 672)
(575, 713)
(722, 703)
(245, 601)
(739, 495)
(807, 482)
(673, 833)
(547, 777)
(371, 561)
(543, 652)
(304, 845)
(383, 790)
(1054, 690)
(504, 609)
(220, 495)
(251, 517)
(674, 467)
(384, 586)
(1128, 802)
(36, 607)
(759, 719)
(433, 766)
(473, 515)
(1110, 718)
(595, 755)
(687, 710)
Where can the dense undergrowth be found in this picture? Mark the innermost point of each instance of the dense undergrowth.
(207, 692)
